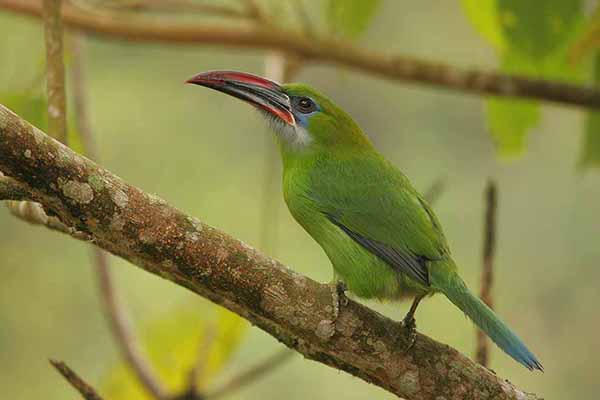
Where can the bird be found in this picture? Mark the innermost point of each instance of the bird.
(381, 236)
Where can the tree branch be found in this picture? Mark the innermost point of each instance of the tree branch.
(86, 391)
(487, 275)
(149, 233)
(319, 50)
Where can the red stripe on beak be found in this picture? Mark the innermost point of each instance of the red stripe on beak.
(223, 77)
(256, 90)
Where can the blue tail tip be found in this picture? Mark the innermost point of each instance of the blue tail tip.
(532, 364)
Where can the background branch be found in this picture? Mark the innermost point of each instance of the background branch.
(148, 232)
(171, 6)
(487, 275)
(250, 375)
(55, 70)
(320, 50)
(86, 391)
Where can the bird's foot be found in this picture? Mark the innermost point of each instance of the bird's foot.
(410, 326)
(338, 295)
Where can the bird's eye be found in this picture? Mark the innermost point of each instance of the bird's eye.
(305, 105)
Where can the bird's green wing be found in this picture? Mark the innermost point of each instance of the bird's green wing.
(399, 258)
(385, 215)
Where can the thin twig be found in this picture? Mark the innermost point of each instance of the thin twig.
(114, 309)
(251, 374)
(487, 276)
(55, 70)
(322, 50)
(80, 97)
(86, 391)
(176, 6)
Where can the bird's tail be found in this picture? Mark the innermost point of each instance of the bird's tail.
(455, 289)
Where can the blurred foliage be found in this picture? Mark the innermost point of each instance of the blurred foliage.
(588, 41)
(350, 18)
(591, 147)
(32, 105)
(537, 28)
(174, 344)
(532, 39)
(484, 16)
(28, 104)
(509, 120)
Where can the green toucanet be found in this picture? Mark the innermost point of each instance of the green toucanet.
(381, 236)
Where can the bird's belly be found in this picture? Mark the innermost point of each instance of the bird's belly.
(365, 274)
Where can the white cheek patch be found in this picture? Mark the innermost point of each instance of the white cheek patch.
(295, 135)
(302, 137)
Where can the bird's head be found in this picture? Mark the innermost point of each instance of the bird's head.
(302, 117)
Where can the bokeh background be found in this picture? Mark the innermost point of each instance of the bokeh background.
(205, 153)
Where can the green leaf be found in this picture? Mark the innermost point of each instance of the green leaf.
(509, 121)
(532, 38)
(172, 345)
(590, 154)
(537, 28)
(350, 18)
(483, 14)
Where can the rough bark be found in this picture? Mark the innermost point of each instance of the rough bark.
(319, 50)
(294, 309)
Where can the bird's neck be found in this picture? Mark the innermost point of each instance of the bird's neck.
(306, 158)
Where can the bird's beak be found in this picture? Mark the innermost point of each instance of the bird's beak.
(258, 91)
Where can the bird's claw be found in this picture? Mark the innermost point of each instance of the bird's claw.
(341, 289)
(410, 327)
(338, 294)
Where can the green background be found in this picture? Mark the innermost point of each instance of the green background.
(204, 153)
